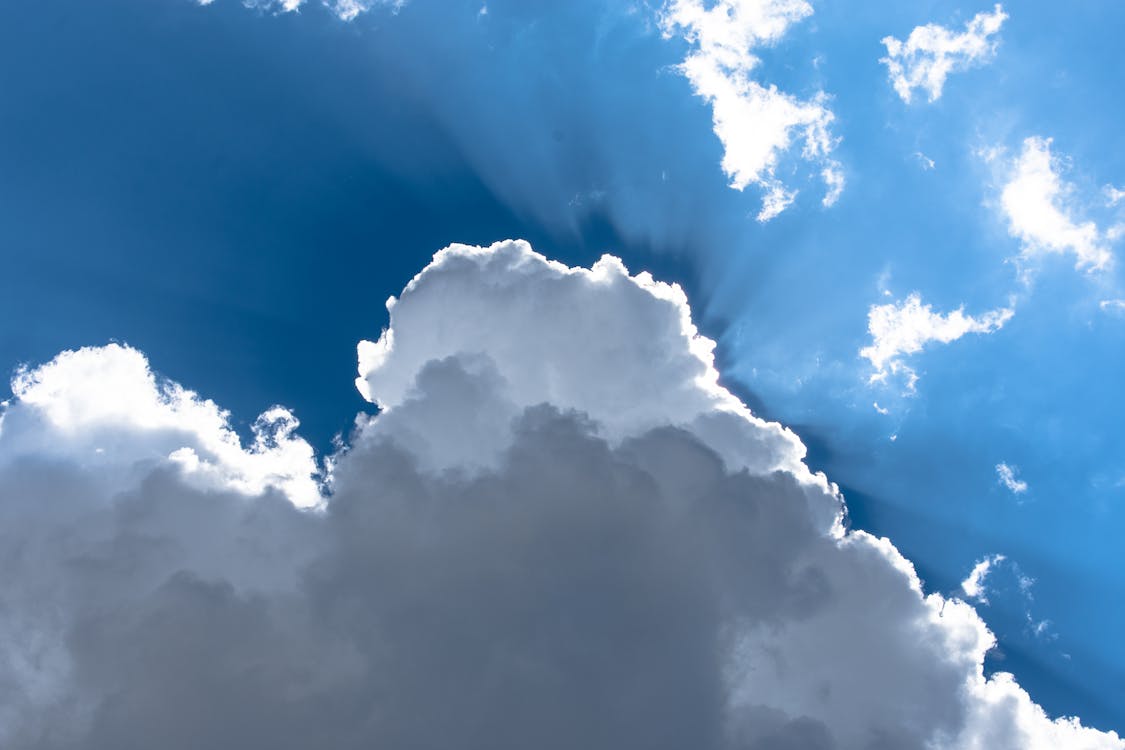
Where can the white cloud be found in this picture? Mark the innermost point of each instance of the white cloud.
(346, 10)
(557, 516)
(834, 179)
(899, 329)
(1113, 195)
(103, 408)
(926, 162)
(756, 123)
(1040, 214)
(1112, 306)
(974, 585)
(1007, 476)
(349, 10)
(563, 336)
(932, 52)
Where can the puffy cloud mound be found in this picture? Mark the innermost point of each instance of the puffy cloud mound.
(560, 531)
(105, 411)
(756, 123)
(932, 52)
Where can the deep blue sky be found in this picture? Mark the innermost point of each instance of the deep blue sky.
(237, 192)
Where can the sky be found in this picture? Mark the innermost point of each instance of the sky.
(899, 223)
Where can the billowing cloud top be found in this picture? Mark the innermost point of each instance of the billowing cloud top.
(559, 531)
(581, 340)
(106, 411)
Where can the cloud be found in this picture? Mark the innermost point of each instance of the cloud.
(105, 409)
(557, 335)
(559, 531)
(1113, 195)
(1038, 205)
(834, 179)
(1007, 477)
(926, 162)
(1013, 587)
(756, 123)
(346, 10)
(899, 329)
(974, 585)
(932, 52)
(1112, 306)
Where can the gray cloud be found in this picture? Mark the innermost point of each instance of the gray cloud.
(632, 586)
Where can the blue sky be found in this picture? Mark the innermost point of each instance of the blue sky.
(236, 191)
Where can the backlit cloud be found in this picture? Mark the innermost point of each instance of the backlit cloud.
(560, 531)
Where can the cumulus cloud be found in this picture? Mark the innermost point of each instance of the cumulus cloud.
(757, 124)
(106, 410)
(559, 531)
(1007, 476)
(932, 52)
(1040, 210)
(899, 329)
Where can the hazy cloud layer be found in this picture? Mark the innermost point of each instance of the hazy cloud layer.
(563, 533)
(932, 52)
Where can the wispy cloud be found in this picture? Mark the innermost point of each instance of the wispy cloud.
(932, 52)
(346, 10)
(1041, 213)
(1007, 476)
(899, 329)
(974, 586)
(1116, 306)
(756, 122)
